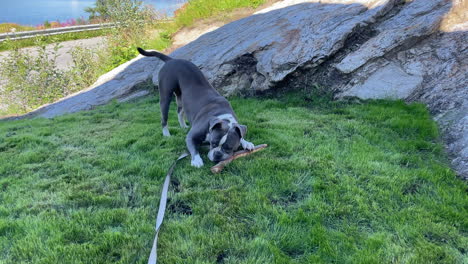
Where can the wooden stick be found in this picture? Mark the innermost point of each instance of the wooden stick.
(219, 167)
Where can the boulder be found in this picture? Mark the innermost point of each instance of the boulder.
(429, 65)
(411, 50)
(257, 52)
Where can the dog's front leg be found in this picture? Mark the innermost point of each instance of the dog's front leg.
(246, 144)
(193, 141)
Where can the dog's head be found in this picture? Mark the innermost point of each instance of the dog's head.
(224, 138)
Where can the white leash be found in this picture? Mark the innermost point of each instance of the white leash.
(162, 208)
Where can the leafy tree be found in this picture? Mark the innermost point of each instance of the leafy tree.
(116, 10)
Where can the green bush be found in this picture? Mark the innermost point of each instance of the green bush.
(34, 80)
(87, 66)
(134, 24)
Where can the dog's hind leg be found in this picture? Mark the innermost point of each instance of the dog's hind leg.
(165, 94)
(180, 111)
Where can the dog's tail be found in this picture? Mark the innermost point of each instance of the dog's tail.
(154, 54)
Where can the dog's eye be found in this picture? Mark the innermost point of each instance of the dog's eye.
(225, 147)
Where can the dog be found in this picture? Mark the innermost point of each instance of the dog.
(210, 115)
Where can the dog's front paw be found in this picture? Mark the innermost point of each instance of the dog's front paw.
(197, 161)
(247, 145)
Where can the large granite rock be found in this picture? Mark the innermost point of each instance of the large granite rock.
(257, 52)
(412, 50)
(426, 60)
(433, 71)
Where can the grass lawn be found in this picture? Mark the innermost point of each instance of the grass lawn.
(340, 183)
(201, 9)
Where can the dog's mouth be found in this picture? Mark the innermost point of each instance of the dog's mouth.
(216, 155)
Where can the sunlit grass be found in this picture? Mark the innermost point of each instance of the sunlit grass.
(201, 9)
(8, 27)
(339, 183)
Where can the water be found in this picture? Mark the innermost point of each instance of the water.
(35, 12)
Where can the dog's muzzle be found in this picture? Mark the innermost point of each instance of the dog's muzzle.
(217, 155)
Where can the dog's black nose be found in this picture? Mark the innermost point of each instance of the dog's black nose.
(217, 156)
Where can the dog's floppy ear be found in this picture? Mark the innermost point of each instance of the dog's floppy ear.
(241, 129)
(216, 122)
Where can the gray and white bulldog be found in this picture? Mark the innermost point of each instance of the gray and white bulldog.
(210, 114)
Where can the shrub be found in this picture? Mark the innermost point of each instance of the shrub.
(87, 66)
(81, 21)
(35, 80)
(134, 25)
(31, 81)
(47, 24)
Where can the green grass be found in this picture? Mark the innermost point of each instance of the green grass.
(6, 27)
(339, 183)
(201, 9)
(196, 10)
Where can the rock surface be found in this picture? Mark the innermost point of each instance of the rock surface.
(256, 52)
(412, 50)
(432, 59)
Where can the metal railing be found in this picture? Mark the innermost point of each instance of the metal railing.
(56, 31)
(53, 31)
